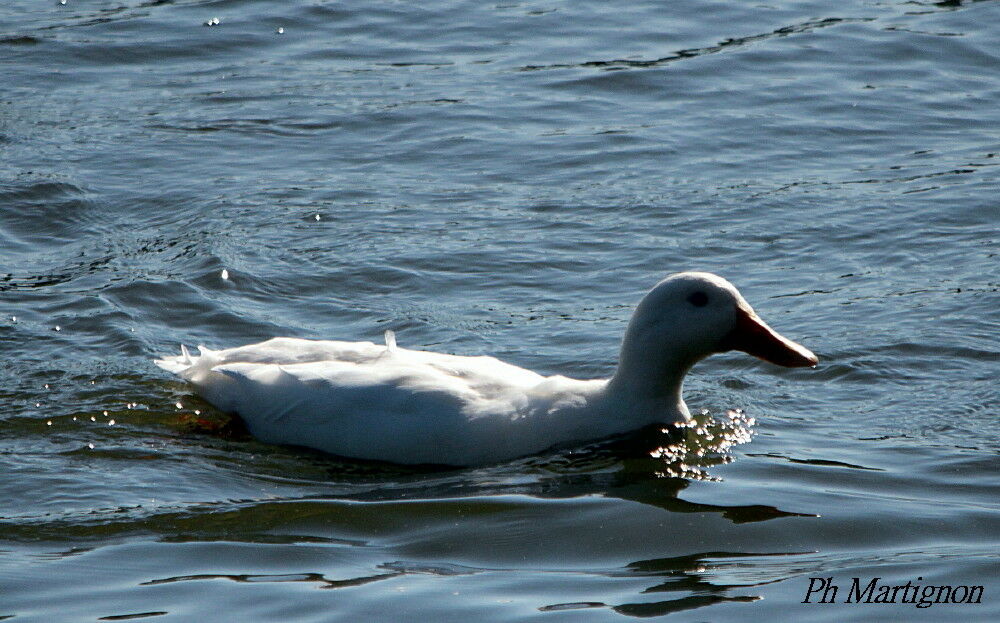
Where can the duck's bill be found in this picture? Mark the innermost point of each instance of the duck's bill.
(753, 336)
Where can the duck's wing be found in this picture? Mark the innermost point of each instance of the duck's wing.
(288, 351)
(279, 351)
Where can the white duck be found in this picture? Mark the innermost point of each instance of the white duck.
(361, 400)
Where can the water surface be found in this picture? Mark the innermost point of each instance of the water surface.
(503, 179)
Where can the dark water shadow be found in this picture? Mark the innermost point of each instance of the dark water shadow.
(311, 578)
(650, 466)
(689, 574)
(619, 64)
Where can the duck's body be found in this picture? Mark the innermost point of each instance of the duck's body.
(362, 400)
(370, 401)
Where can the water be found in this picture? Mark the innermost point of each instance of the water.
(502, 178)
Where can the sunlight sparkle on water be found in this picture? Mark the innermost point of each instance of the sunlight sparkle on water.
(705, 442)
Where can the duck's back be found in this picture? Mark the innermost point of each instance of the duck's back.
(370, 401)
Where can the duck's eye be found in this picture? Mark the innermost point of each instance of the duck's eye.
(698, 299)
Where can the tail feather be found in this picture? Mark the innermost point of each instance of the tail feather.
(186, 364)
(176, 363)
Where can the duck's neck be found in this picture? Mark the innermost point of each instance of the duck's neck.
(648, 384)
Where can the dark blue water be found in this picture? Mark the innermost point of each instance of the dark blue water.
(504, 179)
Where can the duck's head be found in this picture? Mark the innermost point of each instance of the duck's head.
(689, 316)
